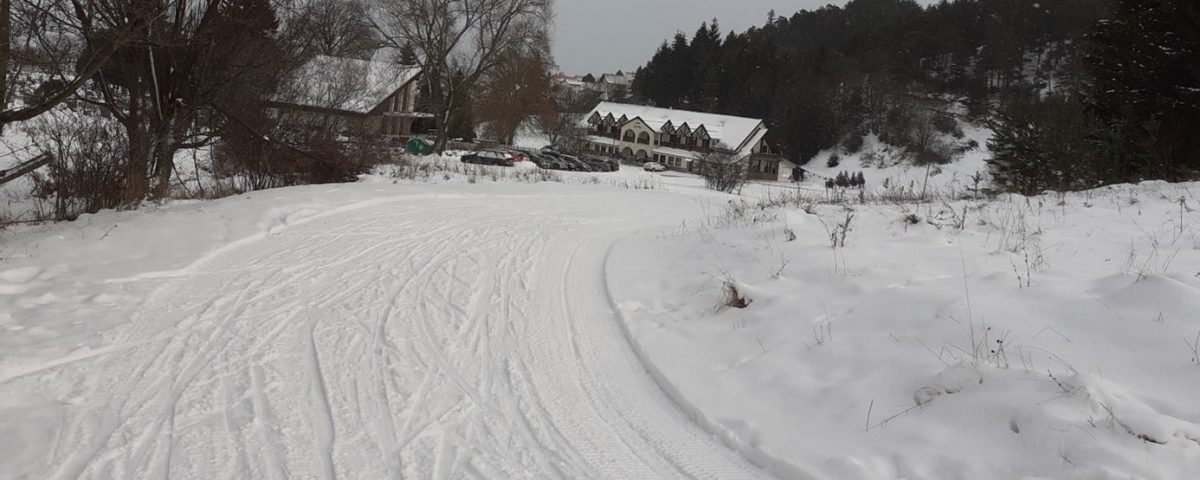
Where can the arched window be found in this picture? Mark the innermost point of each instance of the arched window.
(627, 152)
(628, 137)
(642, 155)
(643, 138)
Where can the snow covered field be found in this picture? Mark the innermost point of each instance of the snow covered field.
(1050, 337)
(492, 324)
(361, 331)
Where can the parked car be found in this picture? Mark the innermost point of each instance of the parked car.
(509, 158)
(580, 165)
(550, 160)
(545, 161)
(602, 164)
(566, 162)
(654, 167)
(488, 157)
(517, 155)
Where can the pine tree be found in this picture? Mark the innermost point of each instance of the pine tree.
(1048, 144)
(408, 56)
(843, 179)
(1145, 85)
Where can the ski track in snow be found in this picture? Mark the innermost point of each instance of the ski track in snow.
(463, 338)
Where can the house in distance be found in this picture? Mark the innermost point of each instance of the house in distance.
(355, 97)
(682, 140)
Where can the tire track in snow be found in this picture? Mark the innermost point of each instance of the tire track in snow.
(459, 339)
(319, 399)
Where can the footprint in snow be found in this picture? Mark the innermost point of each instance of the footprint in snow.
(19, 275)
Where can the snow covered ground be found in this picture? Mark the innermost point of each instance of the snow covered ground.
(354, 331)
(885, 166)
(1049, 337)
(482, 322)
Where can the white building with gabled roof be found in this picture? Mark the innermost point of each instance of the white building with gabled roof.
(681, 139)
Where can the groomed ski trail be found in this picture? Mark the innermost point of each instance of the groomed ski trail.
(448, 338)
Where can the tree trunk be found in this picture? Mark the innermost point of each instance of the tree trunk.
(5, 52)
(136, 181)
(441, 104)
(140, 148)
(441, 124)
(164, 160)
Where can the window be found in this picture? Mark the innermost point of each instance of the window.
(643, 138)
(628, 136)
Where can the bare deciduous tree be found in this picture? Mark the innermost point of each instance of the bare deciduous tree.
(562, 129)
(189, 65)
(458, 41)
(517, 90)
(56, 29)
(722, 172)
(338, 28)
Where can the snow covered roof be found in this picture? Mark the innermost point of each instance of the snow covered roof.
(677, 152)
(730, 132)
(620, 78)
(348, 84)
(748, 147)
(603, 140)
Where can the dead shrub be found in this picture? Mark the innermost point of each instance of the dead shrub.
(86, 175)
(723, 173)
(251, 162)
(944, 123)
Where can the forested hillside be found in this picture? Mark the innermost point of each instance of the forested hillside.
(1033, 69)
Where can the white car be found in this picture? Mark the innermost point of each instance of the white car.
(654, 167)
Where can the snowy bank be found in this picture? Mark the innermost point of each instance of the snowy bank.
(1047, 337)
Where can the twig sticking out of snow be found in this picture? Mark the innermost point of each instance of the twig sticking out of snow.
(1194, 345)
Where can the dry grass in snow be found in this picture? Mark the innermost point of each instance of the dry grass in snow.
(992, 338)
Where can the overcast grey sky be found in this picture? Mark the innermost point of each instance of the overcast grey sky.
(606, 35)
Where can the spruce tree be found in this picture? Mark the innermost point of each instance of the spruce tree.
(1144, 67)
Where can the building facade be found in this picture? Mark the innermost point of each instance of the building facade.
(683, 140)
(354, 97)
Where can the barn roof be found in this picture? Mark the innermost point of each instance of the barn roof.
(348, 84)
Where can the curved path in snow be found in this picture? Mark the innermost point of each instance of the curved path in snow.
(462, 337)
